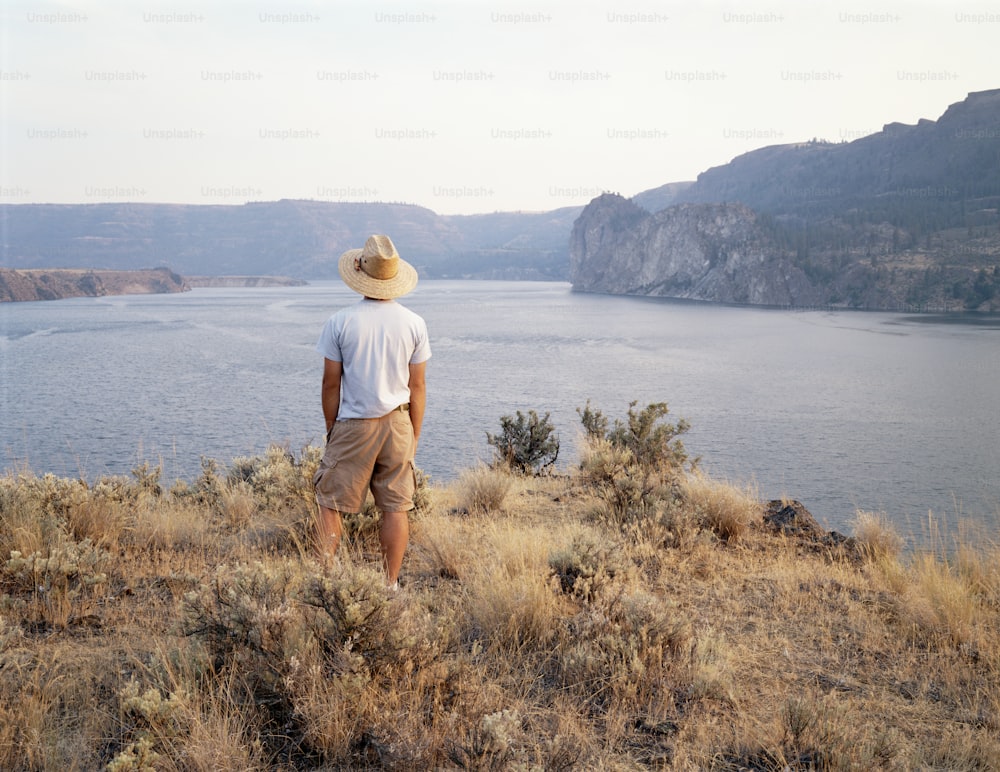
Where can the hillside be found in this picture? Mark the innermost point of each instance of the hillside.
(510, 245)
(655, 199)
(921, 178)
(906, 218)
(589, 622)
(301, 239)
(294, 238)
(53, 284)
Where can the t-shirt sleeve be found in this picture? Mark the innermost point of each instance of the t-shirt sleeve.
(422, 349)
(327, 344)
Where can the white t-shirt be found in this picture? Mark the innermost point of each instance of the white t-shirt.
(376, 341)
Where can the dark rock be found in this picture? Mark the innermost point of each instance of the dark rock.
(792, 519)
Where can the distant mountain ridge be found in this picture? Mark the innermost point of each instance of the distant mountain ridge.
(660, 198)
(952, 165)
(904, 218)
(301, 239)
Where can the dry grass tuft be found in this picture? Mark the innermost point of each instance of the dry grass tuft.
(726, 510)
(939, 605)
(509, 597)
(977, 561)
(483, 490)
(877, 538)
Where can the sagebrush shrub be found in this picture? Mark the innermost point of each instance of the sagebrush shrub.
(309, 647)
(526, 444)
(246, 605)
(587, 565)
(622, 649)
(653, 444)
(634, 465)
(197, 725)
(207, 490)
(277, 479)
(627, 490)
(354, 613)
(59, 583)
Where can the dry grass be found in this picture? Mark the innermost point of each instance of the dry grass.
(543, 624)
(727, 510)
(876, 536)
(483, 489)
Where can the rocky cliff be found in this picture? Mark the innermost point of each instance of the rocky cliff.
(907, 218)
(715, 252)
(727, 253)
(54, 284)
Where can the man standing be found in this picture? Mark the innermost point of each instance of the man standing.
(374, 393)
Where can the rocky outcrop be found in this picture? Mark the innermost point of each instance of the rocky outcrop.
(713, 252)
(58, 283)
(906, 218)
(792, 519)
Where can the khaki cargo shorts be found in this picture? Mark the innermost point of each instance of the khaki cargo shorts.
(363, 453)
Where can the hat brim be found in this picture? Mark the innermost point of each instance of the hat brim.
(381, 289)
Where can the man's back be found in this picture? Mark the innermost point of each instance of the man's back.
(376, 341)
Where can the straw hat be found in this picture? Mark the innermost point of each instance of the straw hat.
(377, 271)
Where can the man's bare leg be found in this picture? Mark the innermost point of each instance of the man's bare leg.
(393, 536)
(329, 529)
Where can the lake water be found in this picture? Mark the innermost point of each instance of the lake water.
(842, 410)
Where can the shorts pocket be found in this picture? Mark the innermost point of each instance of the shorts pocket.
(324, 467)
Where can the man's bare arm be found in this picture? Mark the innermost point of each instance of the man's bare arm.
(331, 391)
(418, 397)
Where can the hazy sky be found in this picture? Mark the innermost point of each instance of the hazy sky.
(461, 107)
